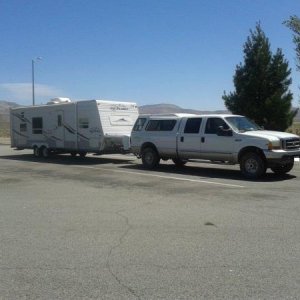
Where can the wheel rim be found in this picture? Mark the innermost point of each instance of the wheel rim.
(251, 166)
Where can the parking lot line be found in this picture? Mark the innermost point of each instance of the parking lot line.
(165, 177)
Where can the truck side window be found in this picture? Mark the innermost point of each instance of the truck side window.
(138, 126)
(213, 124)
(192, 125)
(37, 125)
(160, 125)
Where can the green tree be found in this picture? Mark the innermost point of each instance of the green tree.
(294, 24)
(262, 85)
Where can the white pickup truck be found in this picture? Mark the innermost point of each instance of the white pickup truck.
(230, 139)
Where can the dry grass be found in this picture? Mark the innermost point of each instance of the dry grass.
(295, 128)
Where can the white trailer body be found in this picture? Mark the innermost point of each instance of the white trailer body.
(96, 126)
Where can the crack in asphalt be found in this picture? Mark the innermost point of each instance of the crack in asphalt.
(120, 242)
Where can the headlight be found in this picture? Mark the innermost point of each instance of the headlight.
(274, 146)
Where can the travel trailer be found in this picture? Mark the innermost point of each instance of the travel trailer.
(63, 126)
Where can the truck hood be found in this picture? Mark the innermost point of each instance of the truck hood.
(270, 135)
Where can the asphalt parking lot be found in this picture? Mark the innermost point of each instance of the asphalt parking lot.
(105, 228)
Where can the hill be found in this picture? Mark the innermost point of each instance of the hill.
(4, 116)
(171, 108)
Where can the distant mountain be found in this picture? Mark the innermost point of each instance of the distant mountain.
(171, 108)
(144, 109)
(4, 109)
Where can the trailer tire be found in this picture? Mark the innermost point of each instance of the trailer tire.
(73, 154)
(45, 152)
(36, 151)
(150, 158)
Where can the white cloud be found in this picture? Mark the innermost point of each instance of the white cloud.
(22, 92)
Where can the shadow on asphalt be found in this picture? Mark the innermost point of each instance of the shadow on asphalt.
(68, 159)
(214, 170)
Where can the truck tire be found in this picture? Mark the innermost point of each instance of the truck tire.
(150, 158)
(281, 169)
(179, 162)
(252, 165)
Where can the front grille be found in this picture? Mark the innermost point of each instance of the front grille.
(290, 144)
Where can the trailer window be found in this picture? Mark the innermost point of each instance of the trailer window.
(59, 120)
(37, 125)
(160, 125)
(23, 127)
(83, 123)
(192, 125)
(138, 126)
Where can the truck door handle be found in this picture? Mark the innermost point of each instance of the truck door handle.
(202, 139)
(182, 139)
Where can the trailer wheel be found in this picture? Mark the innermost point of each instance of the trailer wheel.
(36, 151)
(150, 158)
(73, 154)
(45, 152)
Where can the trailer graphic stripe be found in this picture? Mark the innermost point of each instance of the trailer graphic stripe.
(82, 136)
(69, 128)
(19, 133)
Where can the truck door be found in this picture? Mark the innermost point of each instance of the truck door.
(215, 146)
(188, 140)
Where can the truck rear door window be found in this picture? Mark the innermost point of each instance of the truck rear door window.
(160, 125)
(192, 125)
(213, 124)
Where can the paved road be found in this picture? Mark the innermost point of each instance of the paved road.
(104, 228)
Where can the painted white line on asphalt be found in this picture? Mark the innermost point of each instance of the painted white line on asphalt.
(164, 176)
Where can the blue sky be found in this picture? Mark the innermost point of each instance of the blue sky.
(182, 52)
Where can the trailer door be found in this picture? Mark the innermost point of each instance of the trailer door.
(60, 129)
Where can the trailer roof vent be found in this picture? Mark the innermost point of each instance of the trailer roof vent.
(59, 100)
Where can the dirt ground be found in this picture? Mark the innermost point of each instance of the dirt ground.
(4, 141)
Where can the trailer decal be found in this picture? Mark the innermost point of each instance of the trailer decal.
(69, 128)
(21, 117)
(19, 133)
(82, 136)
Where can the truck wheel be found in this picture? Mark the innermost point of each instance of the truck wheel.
(150, 158)
(36, 151)
(281, 169)
(252, 165)
(179, 162)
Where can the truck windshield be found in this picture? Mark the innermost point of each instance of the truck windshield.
(242, 124)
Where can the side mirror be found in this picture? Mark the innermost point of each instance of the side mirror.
(224, 132)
